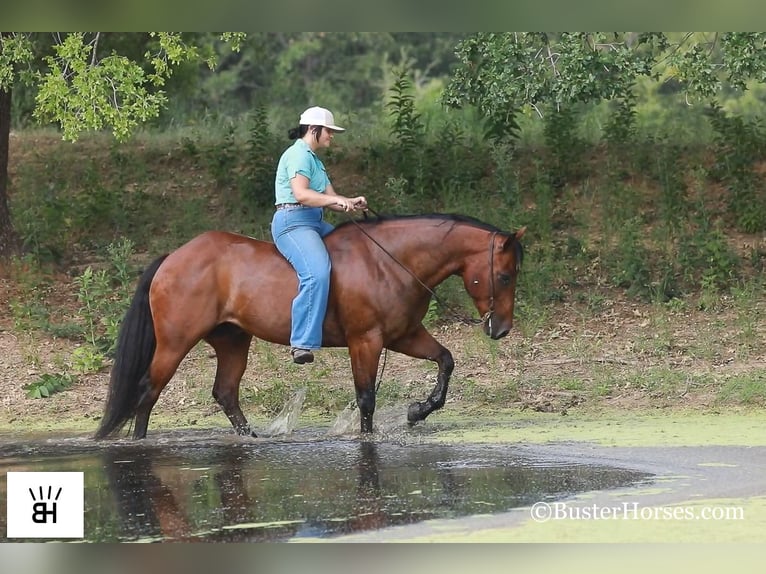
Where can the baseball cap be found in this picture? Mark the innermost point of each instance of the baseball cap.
(317, 116)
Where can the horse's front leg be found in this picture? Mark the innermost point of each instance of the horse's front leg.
(365, 356)
(422, 345)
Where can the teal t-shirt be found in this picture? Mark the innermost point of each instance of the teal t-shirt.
(299, 159)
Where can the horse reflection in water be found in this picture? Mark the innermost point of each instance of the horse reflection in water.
(154, 508)
(372, 515)
(226, 289)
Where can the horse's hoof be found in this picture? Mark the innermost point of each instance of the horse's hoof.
(415, 413)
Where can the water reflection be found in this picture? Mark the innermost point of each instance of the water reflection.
(150, 508)
(203, 488)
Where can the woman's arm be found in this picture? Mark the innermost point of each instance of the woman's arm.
(330, 198)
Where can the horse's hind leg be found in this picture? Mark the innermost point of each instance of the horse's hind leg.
(231, 345)
(161, 370)
(144, 409)
(422, 345)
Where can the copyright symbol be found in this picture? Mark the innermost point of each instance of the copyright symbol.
(541, 511)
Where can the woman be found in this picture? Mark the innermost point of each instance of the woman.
(302, 191)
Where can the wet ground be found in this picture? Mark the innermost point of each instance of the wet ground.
(209, 485)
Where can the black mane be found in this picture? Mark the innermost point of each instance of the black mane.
(453, 217)
(446, 217)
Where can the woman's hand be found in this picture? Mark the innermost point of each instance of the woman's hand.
(350, 203)
(344, 203)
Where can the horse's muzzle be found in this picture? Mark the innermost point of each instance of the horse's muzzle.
(494, 329)
(500, 335)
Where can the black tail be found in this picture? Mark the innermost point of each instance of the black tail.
(135, 349)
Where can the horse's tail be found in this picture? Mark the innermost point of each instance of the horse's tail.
(136, 344)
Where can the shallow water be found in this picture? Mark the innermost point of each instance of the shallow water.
(210, 485)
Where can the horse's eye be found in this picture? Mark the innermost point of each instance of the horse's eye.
(505, 278)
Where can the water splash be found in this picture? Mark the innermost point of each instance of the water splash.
(287, 419)
(347, 422)
(391, 420)
(388, 420)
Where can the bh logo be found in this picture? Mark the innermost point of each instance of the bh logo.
(45, 505)
(40, 510)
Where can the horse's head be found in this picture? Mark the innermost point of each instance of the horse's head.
(491, 281)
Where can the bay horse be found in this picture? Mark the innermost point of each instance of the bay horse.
(227, 288)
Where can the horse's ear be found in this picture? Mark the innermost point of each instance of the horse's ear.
(514, 237)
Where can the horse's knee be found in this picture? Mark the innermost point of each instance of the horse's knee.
(446, 362)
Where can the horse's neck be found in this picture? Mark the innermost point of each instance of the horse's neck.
(436, 256)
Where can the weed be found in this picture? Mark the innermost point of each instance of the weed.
(745, 389)
(565, 147)
(104, 296)
(222, 157)
(256, 183)
(29, 308)
(49, 384)
(620, 130)
(632, 263)
(704, 255)
(407, 130)
(739, 145)
(746, 296)
(505, 180)
(571, 384)
(87, 359)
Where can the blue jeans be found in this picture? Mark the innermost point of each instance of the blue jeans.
(298, 233)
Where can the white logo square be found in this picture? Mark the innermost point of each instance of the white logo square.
(45, 504)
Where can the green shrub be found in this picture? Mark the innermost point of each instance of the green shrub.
(48, 385)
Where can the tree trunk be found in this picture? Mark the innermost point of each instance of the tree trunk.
(9, 241)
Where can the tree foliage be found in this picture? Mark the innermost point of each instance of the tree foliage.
(83, 84)
(502, 72)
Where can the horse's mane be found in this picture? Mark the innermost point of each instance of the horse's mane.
(454, 218)
(446, 217)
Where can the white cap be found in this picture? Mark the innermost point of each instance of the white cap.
(317, 116)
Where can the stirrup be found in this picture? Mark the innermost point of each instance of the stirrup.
(301, 356)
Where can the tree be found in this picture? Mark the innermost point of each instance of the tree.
(501, 73)
(84, 83)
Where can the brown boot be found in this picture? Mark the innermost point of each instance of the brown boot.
(301, 356)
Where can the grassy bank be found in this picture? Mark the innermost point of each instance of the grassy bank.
(639, 289)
